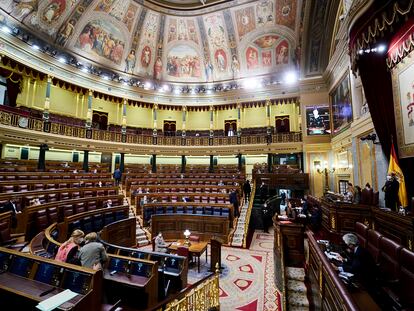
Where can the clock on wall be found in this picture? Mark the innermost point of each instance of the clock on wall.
(23, 122)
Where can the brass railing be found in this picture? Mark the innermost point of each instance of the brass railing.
(204, 295)
(14, 119)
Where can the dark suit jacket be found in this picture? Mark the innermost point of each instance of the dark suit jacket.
(362, 265)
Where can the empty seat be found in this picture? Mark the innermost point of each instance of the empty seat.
(41, 221)
(109, 218)
(87, 224)
(88, 194)
(22, 188)
(180, 210)
(67, 210)
(159, 210)
(199, 210)
(52, 197)
(373, 246)
(79, 208)
(64, 196)
(361, 232)
(97, 222)
(406, 283)
(75, 195)
(52, 215)
(119, 215)
(74, 225)
(388, 260)
(51, 186)
(8, 189)
(169, 210)
(63, 185)
(92, 205)
(217, 211)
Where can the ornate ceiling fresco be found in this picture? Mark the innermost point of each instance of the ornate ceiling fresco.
(220, 42)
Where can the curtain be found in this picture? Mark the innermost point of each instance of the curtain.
(377, 84)
(13, 81)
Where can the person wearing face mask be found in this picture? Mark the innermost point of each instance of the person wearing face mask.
(391, 188)
(69, 250)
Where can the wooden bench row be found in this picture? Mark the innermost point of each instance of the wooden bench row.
(36, 218)
(174, 197)
(187, 208)
(22, 199)
(48, 175)
(182, 181)
(30, 185)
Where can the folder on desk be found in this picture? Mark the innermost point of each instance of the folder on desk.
(56, 300)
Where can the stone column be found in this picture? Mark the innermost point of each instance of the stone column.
(269, 162)
(41, 163)
(211, 168)
(183, 142)
(154, 127)
(88, 124)
(210, 139)
(46, 121)
(124, 121)
(154, 163)
(268, 128)
(85, 166)
(122, 162)
(239, 161)
(183, 163)
(239, 129)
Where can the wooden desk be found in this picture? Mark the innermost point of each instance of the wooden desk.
(196, 249)
(32, 289)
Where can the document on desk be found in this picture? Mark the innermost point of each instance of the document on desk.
(56, 300)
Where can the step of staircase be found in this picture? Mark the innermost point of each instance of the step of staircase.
(297, 298)
(297, 274)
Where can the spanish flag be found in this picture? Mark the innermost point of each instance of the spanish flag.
(395, 168)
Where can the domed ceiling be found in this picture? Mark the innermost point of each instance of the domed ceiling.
(218, 41)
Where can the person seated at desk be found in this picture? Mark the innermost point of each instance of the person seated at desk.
(160, 245)
(290, 210)
(360, 263)
(69, 250)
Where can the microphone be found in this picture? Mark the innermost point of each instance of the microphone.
(47, 292)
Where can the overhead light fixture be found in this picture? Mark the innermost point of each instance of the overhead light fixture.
(251, 84)
(62, 60)
(291, 77)
(35, 47)
(147, 85)
(177, 91)
(105, 77)
(6, 29)
(165, 87)
(382, 48)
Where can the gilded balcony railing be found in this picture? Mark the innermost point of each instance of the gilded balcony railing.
(16, 120)
(202, 298)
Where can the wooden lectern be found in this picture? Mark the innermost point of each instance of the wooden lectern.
(215, 250)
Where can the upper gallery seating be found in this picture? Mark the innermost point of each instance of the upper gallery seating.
(13, 165)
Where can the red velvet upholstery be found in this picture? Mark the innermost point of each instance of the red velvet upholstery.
(373, 246)
(389, 259)
(183, 251)
(407, 277)
(361, 232)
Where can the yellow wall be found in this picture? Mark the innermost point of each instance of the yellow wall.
(169, 115)
(13, 152)
(222, 115)
(139, 117)
(199, 120)
(253, 117)
(69, 103)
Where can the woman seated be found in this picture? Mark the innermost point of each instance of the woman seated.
(69, 250)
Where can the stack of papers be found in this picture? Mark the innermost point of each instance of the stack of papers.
(56, 300)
